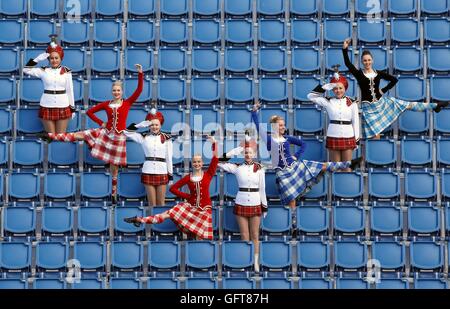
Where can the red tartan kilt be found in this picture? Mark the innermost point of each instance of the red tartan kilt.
(247, 211)
(110, 147)
(341, 143)
(56, 113)
(193, 221)
(154, 179)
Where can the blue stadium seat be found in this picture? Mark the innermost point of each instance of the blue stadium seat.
(162, 283)
(430, 284)
(306, 60)
(206, 32)
(39, 31)
(171, 90)
(304, 8)
(19, 220)
(4, 152)
(174, 8)
(95, 185)
(435, 7)
(336, 30)
(349, 254)
(126, 212)
(201, 283)
(347, 185)
(302, 86)
(315, 149)
(384, 184)
(78, 93)
(405, 30)
(167, 227)
(28, 121)
(15, 255)
(424, 219)
(271, 187)
(275, 255)
(130, 85)
(238, 32)
(349, 219)
(93, 220)
(238, 90)
(13, 9)
(420, 185)
(173, 32)
(417, 151)
(141, 32)
(174, 119)
(411, 88)
(49, 284)
(230, 186)
(28, 153)
(390, 254)
(351, 283)
(164, 255)
(80, 8)
(238, 8)
(89, 284)
(414, 122)
(436, 30)
(10, 63)
(14, 284)
(333, 56)
(438, 59)
(203, 118)
(100, 90)
(272, 32)
(59, 185)
(368, 8)
(443, 152)
(44, 8)
(236, 121)
(205, 60)
(13, 32)
(202, 8)
(91, 255)
(31, 90)
(426, 255)
(402, 8)
(109, 9)
(141, 8)
(230, 225)
(314, 283)
(272, 60)
(143, 56)
(130, 186)
(439, 88)
(105, 60)
(440, 123)
(205, 90)
(125, 283)
(127, 255)
(270, 8)
(386, 283)
(277, 283)
(445, 185)
(408, 59)
(75, 59)
(57, 220)
(238, 60)
(23, 185)
(312, 219)
(201, 255)
(8, 96)
(273, 90)
(237, 254)
(386, 219)
(52, 255)
(278, 220)
(236, 283)
(172, 60)
(305, 31)
(333, 7)
(313, 255)
(308, 119)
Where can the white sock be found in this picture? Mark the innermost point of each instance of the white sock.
(257, 263)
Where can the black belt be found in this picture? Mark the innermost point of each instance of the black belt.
(55, 91)
(340, 122)
(155, 159)
(248, 189)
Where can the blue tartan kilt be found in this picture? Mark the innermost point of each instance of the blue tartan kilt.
(379, 115)
(296, 180)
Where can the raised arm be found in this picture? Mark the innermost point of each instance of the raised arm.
(215, 159)
(175, 189)
(31, 69)
(139, 88)
(91, 112)
(261, 130)
(347, 61)
(392, 81)
(316, 95)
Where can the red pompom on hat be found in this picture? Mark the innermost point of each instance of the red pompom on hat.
(155, 115)
(54, 47)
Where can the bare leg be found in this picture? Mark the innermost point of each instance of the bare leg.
(346, 155)
(335, 155)
(376, 137)
(254, 231)
(243, 223)
(161, 195)
(61, 125)
(49, 126)
(292, 204)
(114, 169)
(151, 195)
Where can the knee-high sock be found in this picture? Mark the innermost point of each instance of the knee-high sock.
(63, 137)
(153, 219)
(114, 186)
(420, 107)
(335, 166)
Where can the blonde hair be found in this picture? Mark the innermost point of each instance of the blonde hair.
(275, 119)
(118, 83)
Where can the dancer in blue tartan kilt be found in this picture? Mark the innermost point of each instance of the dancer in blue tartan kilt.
(294, 177)
(380, 111)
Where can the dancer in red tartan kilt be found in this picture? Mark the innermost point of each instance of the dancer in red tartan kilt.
(107, 143)
(193, 217)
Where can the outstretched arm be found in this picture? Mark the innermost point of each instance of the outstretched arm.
(347, 61)
(30, 67)
(215, 159)
(316, 95)
(139, 88)
(261, 131)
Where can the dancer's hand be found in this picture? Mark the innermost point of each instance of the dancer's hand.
(104, 125)
(346, 43)
(381, 92)
(41, 57)
(256, 106)
(211, 139)
(138, 68)
(329, 86)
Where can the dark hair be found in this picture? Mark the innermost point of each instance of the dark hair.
(366, 52)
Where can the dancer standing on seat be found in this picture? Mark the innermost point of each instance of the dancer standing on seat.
(380, 111)
(251, 199)
(193, 217)
(294, 177)
(107, 143)
(343, 130)
(158, 150)
(57, 103)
